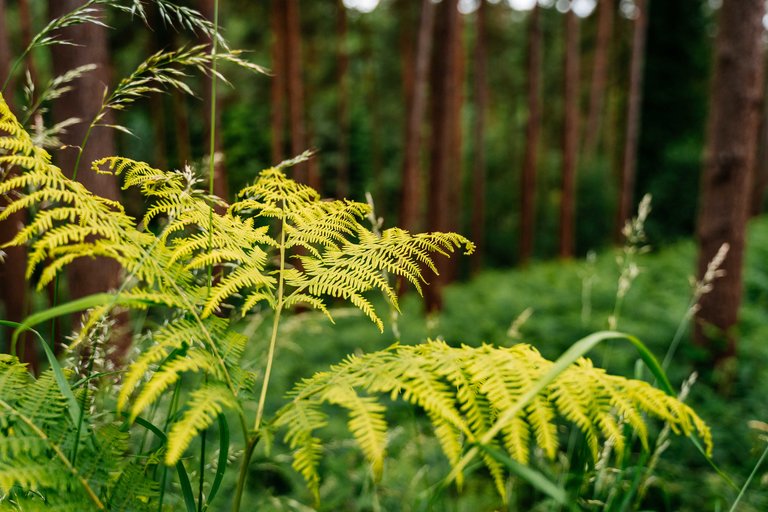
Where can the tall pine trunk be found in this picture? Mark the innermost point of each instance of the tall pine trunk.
(13, 286)
(532, 136)
(278, 79)
(87, 276)
(478, 163)
(728, 169)
(570, 136)
(342, 79)
(444, 170)
(597, 89)
(416, 101)
(632, 134)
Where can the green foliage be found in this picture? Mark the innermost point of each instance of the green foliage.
(203, 265)
(37, 443)
(463, 391)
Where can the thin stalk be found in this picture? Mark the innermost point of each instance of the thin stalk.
(59, 454)
(211, 178)
(251, 444)
(275, 325)
(749, 479)
(171, 412)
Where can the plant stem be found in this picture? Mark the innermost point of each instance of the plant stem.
(251, 444)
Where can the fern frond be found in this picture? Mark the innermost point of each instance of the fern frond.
(202, 408)
(463, 390)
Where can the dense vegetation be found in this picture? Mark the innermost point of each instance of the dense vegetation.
(193, 326)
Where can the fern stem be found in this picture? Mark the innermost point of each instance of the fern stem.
(63, 458)
(275, 325)
(267, 373)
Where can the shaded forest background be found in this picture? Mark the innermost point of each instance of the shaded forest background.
(533, 131)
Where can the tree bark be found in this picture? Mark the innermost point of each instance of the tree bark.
(599, 80)
(342, 78)
(478, 164)
(570, 136)
(728, 168)
(277, 85)
(444, 171)
(416, 100)
(295, 89)
(86, 276)
(635, 100)
(13, 285)
(532, 135)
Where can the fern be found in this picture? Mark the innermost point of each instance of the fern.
(36, 436)
(463, 390)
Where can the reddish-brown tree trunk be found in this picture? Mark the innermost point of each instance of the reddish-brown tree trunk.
(632, 134)
(532, 135)
(443, 175)
(86, 276)
(277, 84)
(342, 176)
(416, 100)
(13, 286)
(295, 90)
(728, 168)
(220, 182)
(478, 163)
(605, 13)
(570, 136)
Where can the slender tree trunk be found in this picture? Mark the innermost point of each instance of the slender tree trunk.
(13, 286)
(635, 100)
(277, 85)
(295, 84)
(444, 169)
(532, 135)
(87, 276)
(728, 169)
(478, 164)
(412, 196)
(342, 177)
(600, 67)
(570, 136)
(220, 181)
(761, 166)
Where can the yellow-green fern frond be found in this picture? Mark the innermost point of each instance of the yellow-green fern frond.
(202, 408)
(464, 390)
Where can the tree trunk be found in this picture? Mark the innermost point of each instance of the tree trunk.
(295, 89)
(86, 276)
(13, 285)
(220, 182)
(570, 136)
(728, 168)
(416, 101)
(342, 176)
(445, 125)
(635, 100)
(478, 164)
(277, 84)
(600, 67)
(25, 22)
(532, 135)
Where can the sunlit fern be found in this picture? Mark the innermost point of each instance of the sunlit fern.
(37, 438)
(463, 391)
(340, 259)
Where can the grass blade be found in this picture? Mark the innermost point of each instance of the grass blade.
(530, 475)
(221, 466)
(186, 486)
(58, 372)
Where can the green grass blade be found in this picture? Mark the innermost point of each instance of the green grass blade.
(577, 350)
(749, 480)
(221, 466)
(58, 373)
(186, 486)
(81, 304)
(530, 475)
